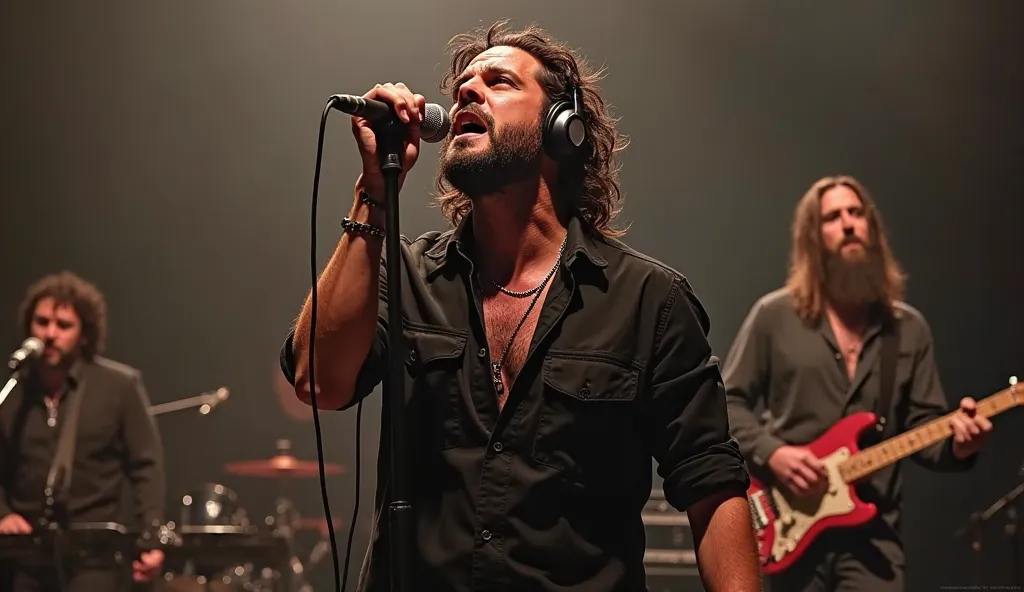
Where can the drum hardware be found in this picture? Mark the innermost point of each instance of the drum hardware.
(216, 547)
(1010, 506)
(285, 522)
(212, 508)
(282, 466)
(206, 402)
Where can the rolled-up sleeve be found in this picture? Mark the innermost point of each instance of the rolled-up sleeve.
(696, 455)
(372, 371)
(370, 374)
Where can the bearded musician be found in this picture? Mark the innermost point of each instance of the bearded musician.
(810, 354)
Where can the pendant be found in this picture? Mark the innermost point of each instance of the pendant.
(496, 377)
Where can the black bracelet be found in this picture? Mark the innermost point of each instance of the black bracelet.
(364, 198)
(353, 226)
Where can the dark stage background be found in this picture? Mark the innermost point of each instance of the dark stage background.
(165, 150)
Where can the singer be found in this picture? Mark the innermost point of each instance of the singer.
(116, 439)
(548, 362)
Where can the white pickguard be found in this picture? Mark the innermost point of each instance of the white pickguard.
(797, 515)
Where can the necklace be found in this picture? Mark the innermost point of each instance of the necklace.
(51, 410)
(515, 294)
(537, 288)
(536, 291)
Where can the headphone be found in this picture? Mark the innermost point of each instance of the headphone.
(564, 130)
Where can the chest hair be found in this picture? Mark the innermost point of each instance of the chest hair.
(850, 343)
(502, 314)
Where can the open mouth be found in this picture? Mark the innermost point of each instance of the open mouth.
(469, 125)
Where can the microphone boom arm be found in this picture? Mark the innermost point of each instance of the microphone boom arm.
(206, 402)
(11, 383)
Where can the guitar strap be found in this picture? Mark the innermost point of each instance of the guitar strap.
(890, 352)
(58, 482)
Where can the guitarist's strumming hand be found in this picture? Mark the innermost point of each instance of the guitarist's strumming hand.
(14, 524)
(970, 430)
(799, 470)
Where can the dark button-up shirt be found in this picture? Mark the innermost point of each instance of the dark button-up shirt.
(546, 493)
(116, 440)
(797, 374)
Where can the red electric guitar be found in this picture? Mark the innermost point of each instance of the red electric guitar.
(786, 524)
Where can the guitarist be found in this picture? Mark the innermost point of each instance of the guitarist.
(809, 354)
(115, 440)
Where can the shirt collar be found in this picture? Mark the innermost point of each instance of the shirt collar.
(457, 243)
(74, 378)
(75, 373)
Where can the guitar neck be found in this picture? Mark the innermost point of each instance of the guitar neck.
(891, 451)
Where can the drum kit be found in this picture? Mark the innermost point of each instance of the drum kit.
(218, 547)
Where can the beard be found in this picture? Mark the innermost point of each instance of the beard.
(55, 357)
(855, 281)
(514, 154)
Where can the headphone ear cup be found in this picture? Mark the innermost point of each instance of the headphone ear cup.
(564, 131)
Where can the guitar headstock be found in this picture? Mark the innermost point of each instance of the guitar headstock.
(212, 399)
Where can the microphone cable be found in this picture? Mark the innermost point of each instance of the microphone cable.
(340, 582)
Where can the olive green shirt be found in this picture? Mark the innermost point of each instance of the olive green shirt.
(787, 383)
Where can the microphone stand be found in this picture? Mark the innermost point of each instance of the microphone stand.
(390, 134)
(11, 383)
(973, 527)
(1012, 529)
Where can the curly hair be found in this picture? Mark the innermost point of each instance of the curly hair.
(66, 288)
(806, 281)
(589, 184)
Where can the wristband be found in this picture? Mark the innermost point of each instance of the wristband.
(364, 198)
(352, 226)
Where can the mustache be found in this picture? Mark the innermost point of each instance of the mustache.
(852, 239)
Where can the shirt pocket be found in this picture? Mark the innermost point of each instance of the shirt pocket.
(587, 421)
(434, 365)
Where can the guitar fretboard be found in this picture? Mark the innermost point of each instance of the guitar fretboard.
(883, 454)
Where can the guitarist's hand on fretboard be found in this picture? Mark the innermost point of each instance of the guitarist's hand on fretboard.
(971, 430)
(799, 470)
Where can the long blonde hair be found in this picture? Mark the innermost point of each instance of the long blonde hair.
(806, 281)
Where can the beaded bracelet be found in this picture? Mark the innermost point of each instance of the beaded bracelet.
(353, 226)
(364, 198)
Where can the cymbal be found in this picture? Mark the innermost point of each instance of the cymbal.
(281, 466)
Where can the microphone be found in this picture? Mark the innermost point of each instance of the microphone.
(433, 128)
(30, 349)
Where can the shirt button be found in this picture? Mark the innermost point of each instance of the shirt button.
(486, 535)
(497, 446)
(584, 392)
(482, 353)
